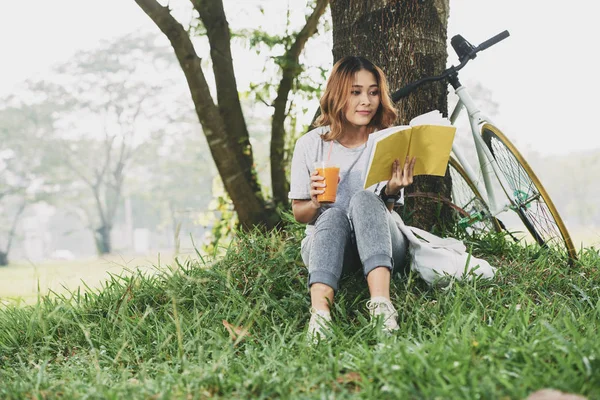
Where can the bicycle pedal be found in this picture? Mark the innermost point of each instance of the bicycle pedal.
(470, 220)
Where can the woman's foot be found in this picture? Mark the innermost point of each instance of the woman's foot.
(318, 326)
(381, 307)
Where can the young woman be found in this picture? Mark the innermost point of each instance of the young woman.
(357, 229)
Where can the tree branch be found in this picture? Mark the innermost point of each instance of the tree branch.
(69, 163)
(291, 70)
(126, 155)
(94, 186)
(190, 63)
(101, 212)
(83, 215)
(10, 191)
(101, 172)
(13, 227)
(229, 155)
(214, 20)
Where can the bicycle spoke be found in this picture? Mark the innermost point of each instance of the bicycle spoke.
(465, 196)
(528, 197)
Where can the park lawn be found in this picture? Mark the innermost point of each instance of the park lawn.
(173, 335)
(22, 282)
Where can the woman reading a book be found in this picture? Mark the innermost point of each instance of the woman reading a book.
(356, 230)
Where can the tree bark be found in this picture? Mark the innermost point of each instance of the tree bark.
(214, 20)
(223, 125)
(407, 40)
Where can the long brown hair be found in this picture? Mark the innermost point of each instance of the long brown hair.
(337, 92)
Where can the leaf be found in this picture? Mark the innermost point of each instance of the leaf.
(352, 379)
(237, 333)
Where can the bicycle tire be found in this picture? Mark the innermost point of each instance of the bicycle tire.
(466, 196)
(527, 195)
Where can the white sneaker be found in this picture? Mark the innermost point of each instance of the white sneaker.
(381, 306)
(318, 327)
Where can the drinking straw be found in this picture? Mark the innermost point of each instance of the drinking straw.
(329, 152)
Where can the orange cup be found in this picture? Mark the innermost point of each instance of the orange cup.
(331, 174)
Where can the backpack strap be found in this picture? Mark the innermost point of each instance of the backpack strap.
(420, 237)
(436, 241)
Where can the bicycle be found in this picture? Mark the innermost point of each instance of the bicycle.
(499, 159)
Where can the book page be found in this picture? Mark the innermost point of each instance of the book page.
(431, 144)
(385, 149)
(373, 139)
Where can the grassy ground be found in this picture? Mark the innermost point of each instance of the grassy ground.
(173, 335)
(23, 282)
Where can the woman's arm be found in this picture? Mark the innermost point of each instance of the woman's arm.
(306, 211)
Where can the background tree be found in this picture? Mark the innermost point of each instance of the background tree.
(407, 39)
(173, 190)
(27, 164)
(113, 110)
(223, 121)
(109, 124)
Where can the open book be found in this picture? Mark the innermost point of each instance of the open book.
(428, 137)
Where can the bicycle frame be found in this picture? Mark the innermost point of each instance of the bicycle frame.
(489, 166)
(542, 221)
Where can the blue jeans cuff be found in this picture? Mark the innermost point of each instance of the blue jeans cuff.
(378, 260)
(324, 277)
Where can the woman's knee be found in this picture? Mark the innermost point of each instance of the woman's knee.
(333, 217)
(365, 199)
(331, 235)
(367, 207)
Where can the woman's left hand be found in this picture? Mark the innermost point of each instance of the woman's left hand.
(401, 177)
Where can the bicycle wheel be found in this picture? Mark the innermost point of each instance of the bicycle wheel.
(466, 196)
(529, 198)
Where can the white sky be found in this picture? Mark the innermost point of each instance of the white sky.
(543, 74)
(549, 57)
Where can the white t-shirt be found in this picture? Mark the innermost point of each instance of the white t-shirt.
(310, 148)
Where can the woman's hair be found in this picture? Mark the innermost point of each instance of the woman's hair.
(338, 90)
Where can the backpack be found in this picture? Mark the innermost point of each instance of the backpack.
(437, 260)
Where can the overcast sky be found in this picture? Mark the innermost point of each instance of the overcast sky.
(542, 76)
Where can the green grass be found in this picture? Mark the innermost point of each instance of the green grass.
(22, 283)
(162, 336)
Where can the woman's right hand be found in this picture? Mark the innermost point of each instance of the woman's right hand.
(317, 185)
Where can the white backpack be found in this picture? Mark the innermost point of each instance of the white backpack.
(436, 259)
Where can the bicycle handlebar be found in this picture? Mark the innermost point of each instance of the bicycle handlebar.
(492, 41)
(465, 52)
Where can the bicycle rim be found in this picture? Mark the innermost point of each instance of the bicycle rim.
(528, 196)
(466, 196)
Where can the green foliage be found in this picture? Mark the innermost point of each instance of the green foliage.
(106, 105)
(222, 219)
(257, 37)
(28, 170)
(308, 77)
(164, 335)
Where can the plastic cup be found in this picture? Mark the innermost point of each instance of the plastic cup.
(331, 172)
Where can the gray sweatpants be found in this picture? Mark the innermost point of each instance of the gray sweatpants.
(331, 250)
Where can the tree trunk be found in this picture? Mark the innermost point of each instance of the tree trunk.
(407, 40)
(290, 70)
(102, 239)
(12, 233)
(223, 124)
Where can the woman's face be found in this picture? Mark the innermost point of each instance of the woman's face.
(364, 99)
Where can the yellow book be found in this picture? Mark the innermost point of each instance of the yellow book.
(428, 137)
